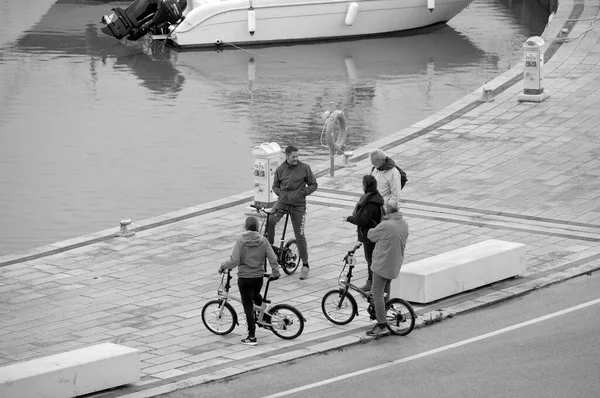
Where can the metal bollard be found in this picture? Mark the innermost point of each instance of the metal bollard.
(533, 87)
(486, 96)
(347, 156)
(123, 232)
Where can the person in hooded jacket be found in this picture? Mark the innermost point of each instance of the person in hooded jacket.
(248, 255)
(366, 215)
(387, 175)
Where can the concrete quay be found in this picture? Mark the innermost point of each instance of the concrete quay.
(502, 169)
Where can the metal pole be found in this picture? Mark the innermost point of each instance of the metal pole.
(331, 163)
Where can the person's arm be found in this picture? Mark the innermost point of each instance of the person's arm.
(363, 217)
(311, 181)
(277, 182)
(272, 260)
(236, 256)
(376, 233)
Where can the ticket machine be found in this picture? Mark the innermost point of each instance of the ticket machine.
(266, 159)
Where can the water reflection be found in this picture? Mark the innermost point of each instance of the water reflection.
(530, 12)
(346, 75)
(67, 29)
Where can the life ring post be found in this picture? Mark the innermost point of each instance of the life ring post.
(331, 164)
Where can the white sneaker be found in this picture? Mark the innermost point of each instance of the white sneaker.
(304, 273)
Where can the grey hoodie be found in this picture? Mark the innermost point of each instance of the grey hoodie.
(249, 254)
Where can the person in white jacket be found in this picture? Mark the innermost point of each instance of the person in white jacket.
(387, 175)
(390, 237)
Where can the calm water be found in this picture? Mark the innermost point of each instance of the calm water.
(92, 130)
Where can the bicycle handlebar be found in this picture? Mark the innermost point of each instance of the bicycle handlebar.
(358, 245)
(258, 208)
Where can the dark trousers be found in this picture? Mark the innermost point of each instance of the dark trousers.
(369, 248)
(250, 295)
(298, 218)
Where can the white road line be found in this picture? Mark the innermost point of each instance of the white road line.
(435, 351)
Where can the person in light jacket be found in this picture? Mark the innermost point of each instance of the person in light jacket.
(387, 175)
(390, 238)
(248, 255)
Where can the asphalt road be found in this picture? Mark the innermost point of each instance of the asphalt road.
(544, 344)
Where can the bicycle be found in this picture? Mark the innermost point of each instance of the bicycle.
(219, 316)
(340, 307)
(288, 254)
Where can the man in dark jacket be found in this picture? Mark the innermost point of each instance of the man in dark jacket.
(292, 183)
(367, 214)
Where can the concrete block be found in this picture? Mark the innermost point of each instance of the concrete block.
(459, 270)
(72, 373)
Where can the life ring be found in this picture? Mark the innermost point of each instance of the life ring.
(338, 145)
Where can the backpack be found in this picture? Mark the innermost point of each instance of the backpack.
(403, 177)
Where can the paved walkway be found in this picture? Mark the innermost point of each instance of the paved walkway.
(522, 172)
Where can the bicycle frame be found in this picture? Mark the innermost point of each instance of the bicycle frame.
(219, 316)
(278, 249)
(224, 296)
(340, 307)
(287, 251)
(346, 283)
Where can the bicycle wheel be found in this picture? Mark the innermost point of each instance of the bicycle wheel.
(217, 319)
(399, 316)
(339, 307)
(291, 258)
(286, 321)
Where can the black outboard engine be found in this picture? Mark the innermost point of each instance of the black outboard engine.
(142, 17)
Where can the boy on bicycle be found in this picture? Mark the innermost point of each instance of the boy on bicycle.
(248, 255)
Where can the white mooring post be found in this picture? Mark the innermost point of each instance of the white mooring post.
(533, 79)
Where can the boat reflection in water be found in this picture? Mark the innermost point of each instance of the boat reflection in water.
(297, 81)
(72, 29)
(303, 80)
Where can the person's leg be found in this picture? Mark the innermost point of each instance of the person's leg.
(247, 293)
(257, 288)
(379, 284)
(298, 218)
(274, 218)
(368, 248)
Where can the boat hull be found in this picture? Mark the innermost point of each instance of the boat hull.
(211, 23)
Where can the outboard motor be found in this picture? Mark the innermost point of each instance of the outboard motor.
(142, 17)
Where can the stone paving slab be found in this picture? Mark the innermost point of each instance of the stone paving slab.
(523, 172)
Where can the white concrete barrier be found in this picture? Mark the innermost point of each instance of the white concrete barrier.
(459, 270)
(72, 373)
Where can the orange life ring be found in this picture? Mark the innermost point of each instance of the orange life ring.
(337, 145)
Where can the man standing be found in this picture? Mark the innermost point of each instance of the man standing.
(390, 238)
(387, 175)
(293, 182)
